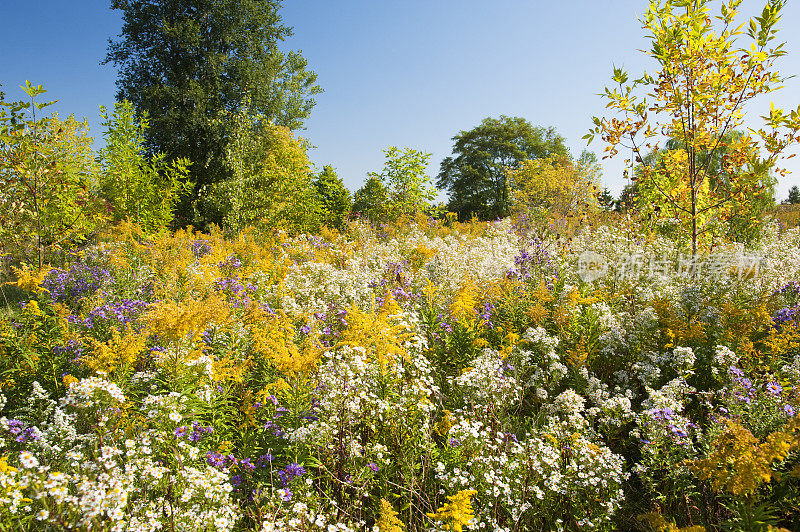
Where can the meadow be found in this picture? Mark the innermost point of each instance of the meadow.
(422, 375)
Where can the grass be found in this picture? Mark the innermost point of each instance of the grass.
(10, 298)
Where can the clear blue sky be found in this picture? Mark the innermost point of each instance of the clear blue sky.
(411, 73)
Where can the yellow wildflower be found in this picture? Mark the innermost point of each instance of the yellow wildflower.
(739, 464)
(388, 521)
(28, 279)
(4, 467)
(456, 513)
(463, 306)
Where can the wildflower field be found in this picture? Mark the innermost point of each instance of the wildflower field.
(426, 375)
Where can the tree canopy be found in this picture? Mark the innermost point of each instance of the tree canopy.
(475, 176)
(138, 188)
(371, 201)
(794, 196)
(409, 189)
(185, 62)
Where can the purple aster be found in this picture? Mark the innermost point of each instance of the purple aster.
(678, 431)
(774, 388)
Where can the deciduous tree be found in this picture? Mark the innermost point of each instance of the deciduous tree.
(271, 183)
(696, 98)
(475, 175)
(47, 172)
(138, 188)
(554, 188)
(186, 62)
(409, 189)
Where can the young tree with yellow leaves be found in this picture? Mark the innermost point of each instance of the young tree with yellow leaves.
(47, 177)
(697, 98)
(554, 187)
(271, 185)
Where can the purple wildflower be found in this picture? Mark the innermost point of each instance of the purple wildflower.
(774, 388)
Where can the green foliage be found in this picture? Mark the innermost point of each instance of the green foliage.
(139, 190)
(46, 180)
(794, 196)
(371, 200)
(627, 198)
(270, 185)
(409, 189)
(185, 62)
(475, 176)
(605, 199)
(696, 100)
(333, 198)
(743, 220)
(27, 349)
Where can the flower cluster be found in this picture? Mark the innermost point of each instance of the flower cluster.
(422, 376)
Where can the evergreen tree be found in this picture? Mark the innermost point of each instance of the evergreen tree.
(794, 196)
(371, 200)
(333, 198)
(606, 200)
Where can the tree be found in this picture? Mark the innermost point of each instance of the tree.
(606, 200)
(333, 198)
(270, 185)
(475, 175)
(742, 220)
(187, 62)
(696, 98)
(554, 187)
(372, 200)
(794, 196)
(408, 188)
(628, 198)
(141, 190)
(47, 201)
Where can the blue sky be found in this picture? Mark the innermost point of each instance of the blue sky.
(406, 73)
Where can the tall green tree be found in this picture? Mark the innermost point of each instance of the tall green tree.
(605, 200)
(475, 175)
(628, 198)
(333, 198)
(704, 80)
(271, 182)
(186, 62)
